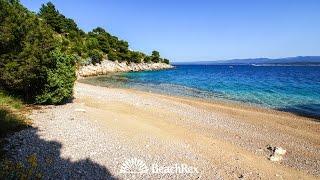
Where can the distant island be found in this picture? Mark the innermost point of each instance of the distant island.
(289, 61)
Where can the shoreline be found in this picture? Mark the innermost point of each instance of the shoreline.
(220, 101)
(224, 106)
(277, 122)
(106, 126)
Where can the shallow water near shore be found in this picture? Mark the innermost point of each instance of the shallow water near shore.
(289, 88)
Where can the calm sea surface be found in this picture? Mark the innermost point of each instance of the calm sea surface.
(288, 88)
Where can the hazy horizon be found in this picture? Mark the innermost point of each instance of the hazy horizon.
(198, 60)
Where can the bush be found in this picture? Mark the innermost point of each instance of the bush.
(155, 56)
(60, 81)
(112, 56)
(135, 56)
(96, 56)
(25, 54)
(29, 60)
(147, 59)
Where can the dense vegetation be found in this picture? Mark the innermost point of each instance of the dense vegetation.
(91, 47)
(39, 52)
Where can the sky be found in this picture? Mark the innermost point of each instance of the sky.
(200, 30)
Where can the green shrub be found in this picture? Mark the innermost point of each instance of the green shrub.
(112, 56)
(96, 56)
(155, 56)
(60, 81)
(147, 59)
(26, 43)
(29, 60)
(166, 61)
(135, 56)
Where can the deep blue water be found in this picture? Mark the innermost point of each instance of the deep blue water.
(289, 88)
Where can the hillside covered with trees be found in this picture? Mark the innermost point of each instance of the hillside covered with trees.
(39, 52)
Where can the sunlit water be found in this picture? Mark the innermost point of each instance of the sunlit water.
(288, 88)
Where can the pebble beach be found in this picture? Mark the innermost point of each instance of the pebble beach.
(104, 129)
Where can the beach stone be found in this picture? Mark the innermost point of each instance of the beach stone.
(80, 110)
(278, 153)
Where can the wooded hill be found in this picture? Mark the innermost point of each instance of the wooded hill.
(39, 52)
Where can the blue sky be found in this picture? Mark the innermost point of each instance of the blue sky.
(192, 30)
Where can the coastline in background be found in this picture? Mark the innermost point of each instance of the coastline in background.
(288, 61)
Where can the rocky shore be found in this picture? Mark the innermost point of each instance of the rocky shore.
(107, 66)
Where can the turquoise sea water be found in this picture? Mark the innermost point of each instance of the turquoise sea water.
(288, 88)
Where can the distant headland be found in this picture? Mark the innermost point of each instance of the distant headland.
(288, 61)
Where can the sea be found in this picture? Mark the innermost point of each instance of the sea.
(294, 89)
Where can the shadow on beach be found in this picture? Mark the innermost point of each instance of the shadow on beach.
(306, 110)
(29, 157)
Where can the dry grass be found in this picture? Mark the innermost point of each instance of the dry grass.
(12, 119)
(12, 111)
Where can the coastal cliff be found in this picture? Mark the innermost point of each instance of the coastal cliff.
(107, 66)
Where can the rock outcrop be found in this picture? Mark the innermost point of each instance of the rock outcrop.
(107, 66)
